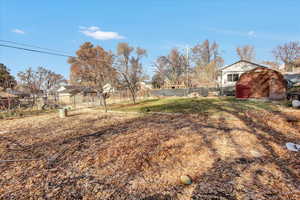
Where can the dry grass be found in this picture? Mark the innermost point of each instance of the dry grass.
(117, 156)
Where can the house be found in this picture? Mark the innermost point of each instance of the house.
(5, 95)
(107, 88)
(20, 94)
(171, 85)
(144, 85)
(7, 100)
(72, 94)
(229, 75)
(261, 82)
(69, 89)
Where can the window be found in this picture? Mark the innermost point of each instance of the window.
(232, 77)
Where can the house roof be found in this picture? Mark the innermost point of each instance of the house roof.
(246, 61)
(76, 89)
(70, 89)
(293, 77)
(17, 92)
(89, 90)
(262, 68)
(7, 95)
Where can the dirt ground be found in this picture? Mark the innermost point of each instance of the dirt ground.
(93, 155)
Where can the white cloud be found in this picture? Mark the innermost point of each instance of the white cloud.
(18, 31)
(251, 34)
(96, 33)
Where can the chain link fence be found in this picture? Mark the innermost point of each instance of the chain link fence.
(183, 92)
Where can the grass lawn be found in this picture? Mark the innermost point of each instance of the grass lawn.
(214, 106)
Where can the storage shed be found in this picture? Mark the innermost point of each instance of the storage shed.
(261, 82)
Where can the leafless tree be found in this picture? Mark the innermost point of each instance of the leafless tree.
(172, 67)
(48, 80)
(246, 52)
(205, 53)
(54, 81)
(28, 80)
(206, 75)
(157, 80)
(288, 53)
(206, 60)
(130, 68)
(93, 67)
(40, 80)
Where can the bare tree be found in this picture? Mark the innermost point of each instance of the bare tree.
(200, 67)
(157, 80)
(41, 80)
(206, 60)
(205, 53)
(288, 53)
(29, 81)
(173, 67)
(54, 81)
(130, 67)
(246, 52)
(93, 67)
(48, 80)
(206, 75)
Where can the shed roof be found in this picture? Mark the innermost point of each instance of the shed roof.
(262, 68)
(261, 82)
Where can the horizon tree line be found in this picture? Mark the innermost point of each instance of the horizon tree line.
(201, 68)
(95, 67)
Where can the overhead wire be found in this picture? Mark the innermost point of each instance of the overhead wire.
(33, 46)
(34, 50)
(40, 51)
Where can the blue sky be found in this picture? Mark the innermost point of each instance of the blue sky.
(156, 25)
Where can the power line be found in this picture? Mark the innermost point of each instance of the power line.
(34, 46)
(34, 50)
(43, 52)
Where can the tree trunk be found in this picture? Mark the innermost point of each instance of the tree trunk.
(104, 102)
(133, 96)
(34, 101)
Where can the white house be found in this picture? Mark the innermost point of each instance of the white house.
(230, 74)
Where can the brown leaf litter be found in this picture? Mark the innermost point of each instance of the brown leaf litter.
(92, 155)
